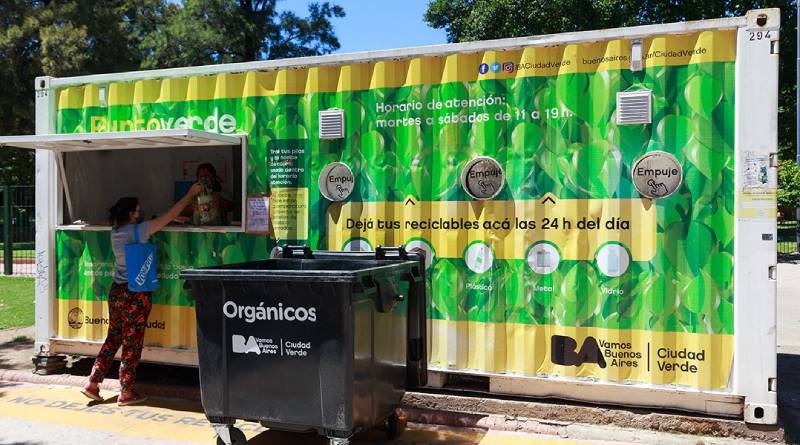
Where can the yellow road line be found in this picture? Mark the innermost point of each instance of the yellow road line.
(184, 421)
(157, 419)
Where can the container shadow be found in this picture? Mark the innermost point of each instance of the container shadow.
(417, 435)
(15, 346)
(789, 396)
(21, 443)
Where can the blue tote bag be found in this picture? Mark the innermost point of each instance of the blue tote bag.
(140, 260)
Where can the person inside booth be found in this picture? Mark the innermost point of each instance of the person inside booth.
(212, 205)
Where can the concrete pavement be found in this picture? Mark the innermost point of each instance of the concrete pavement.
(40, 414)
(56, 415)
(789, 307)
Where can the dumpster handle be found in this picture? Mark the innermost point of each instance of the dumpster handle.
(293, 251)
(382, 253)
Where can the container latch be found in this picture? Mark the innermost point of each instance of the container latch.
(387, 294)
(636, 55)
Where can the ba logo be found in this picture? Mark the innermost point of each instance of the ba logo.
(75, 318)
(483, 68)
(496, 67)
(562, 351)
(242, 346)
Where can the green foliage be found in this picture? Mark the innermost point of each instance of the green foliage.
(222, 31)
(468, 20)
(78, 37)
(788, 184)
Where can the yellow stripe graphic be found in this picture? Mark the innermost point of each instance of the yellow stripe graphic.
(674, 50)
(167, 420)
(168, 326)
(577, 227)
(697, 360)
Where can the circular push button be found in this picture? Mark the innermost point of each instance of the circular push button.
(657, 175)
(483, 178)
(336, 181)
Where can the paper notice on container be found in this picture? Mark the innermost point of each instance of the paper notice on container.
(290, 213)
(758, 194)
(257, 220)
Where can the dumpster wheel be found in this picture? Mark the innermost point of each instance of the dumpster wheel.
(395, 425)
(236, 436)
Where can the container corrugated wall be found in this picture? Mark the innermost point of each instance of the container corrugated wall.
(632, 291)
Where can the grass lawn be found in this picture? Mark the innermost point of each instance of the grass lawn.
(16, 302)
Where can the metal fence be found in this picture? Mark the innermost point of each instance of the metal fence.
(18, 229)
(787, 237)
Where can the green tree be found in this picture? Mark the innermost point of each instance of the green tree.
(61, 38)
(221, 31)
(77, 37)
(468, 20)
(788, 186)
(17, 34)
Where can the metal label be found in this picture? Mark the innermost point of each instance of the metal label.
(657, 174)
(336, 181)
(483, 178)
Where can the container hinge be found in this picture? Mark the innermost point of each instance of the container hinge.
(773, 384)
(636, 55)
(773, 273)
(388, 295)
(774, 47)
(773, 160)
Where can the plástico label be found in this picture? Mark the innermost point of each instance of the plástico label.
(657, 175)
(336, 181)
(483, 178)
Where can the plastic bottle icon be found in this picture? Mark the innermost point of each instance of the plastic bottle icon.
(479, 257)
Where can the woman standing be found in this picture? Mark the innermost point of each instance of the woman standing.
(128, 310)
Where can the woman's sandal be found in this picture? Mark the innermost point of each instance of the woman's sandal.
(136, 398)
(92, 394)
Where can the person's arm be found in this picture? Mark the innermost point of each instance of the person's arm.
(162, 220)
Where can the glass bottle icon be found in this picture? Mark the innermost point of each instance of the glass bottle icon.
(613, 260)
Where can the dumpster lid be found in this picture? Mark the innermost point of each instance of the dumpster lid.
(120, 140)
(294, 269)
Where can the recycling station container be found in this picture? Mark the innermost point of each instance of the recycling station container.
(311, 341)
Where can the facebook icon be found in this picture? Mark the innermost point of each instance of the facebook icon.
(483, 68)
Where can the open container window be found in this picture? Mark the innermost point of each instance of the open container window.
(158, 167)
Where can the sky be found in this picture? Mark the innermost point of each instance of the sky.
(378, 24)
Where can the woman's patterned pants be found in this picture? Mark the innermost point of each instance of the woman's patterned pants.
(128, 312)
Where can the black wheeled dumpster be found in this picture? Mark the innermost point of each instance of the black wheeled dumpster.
(311, 341)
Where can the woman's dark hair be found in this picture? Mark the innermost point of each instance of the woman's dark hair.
(120, 212)
(215, 185)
